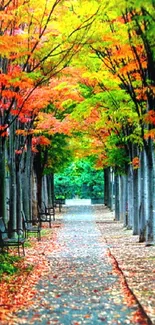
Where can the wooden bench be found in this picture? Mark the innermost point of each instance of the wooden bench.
(46, 214)
(59, 202)
(6, 242)
(31, 226)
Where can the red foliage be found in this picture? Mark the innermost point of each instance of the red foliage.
(150, 117)
(136, 162)
(41, 140)
(3, 130)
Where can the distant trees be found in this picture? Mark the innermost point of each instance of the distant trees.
(81, 180)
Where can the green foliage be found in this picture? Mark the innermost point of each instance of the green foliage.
(118, 159)
(86, 91)
(117, 153)
(8, 264)
(59, 154)
(79, 179)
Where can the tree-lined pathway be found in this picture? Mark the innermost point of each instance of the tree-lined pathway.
(80, 287)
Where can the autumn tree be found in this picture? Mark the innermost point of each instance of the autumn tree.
(36, 44)
(123, 45)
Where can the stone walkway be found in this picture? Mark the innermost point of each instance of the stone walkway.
(80, 287)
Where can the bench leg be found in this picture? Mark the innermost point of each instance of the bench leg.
(23, 249)
(39, 235)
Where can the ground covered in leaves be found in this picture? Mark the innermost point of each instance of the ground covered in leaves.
(136, 261)
(17, 291)
(77, 275)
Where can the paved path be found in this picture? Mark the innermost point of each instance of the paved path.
(80, 287)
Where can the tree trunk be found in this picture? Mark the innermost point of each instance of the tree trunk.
(151, 206)
(123, 199)
(111, 190)
(117, 197)
(34, 196)
(19, 199)
(27, 181)
(142, 209)
(39, 168)
(130, 198)
(44, 190)
(13, 187)
(49, 189)
(3, 179)
(109, 187)
(52, 188)
(106, 190)
(19, 165)
(136, 201)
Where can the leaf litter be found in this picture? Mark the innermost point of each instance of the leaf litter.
(75, 279)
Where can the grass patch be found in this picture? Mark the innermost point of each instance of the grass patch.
(27, 244)
(8, 264)
(46, 231)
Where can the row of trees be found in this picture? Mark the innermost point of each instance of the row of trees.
(36, 44)
(78, 79)
(120, 105)
(133, 64)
